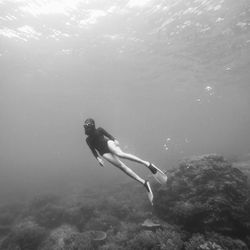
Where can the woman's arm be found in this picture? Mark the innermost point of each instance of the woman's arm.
(104, 132)
(108, 135)
(92, 148)
(95, 153)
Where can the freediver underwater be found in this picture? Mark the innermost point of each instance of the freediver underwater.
(102, 144)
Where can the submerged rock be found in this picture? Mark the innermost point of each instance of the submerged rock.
(206, 194)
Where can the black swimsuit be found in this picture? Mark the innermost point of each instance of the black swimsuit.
(98, 141)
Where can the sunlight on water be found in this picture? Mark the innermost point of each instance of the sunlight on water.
(37, 8)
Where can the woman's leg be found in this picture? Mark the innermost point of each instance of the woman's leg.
(119, 164)
(114, 160)
(116, 150)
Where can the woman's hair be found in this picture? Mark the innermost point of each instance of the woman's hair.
(89, 121)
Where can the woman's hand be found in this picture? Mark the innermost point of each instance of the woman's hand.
(116, 142)
(101, 162)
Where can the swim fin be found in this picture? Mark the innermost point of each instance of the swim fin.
(158, 174)
(160, 177)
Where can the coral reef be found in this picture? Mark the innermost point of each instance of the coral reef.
(206, 194)
(66, 237)
(78, 215)
(212, 241)
(96, 235)
(150, 225)
(132, 236)
(26, 235)
(10, 212)
(161, 239)
(43, 200)
(50, 216)
(50, 211)
(204, 206)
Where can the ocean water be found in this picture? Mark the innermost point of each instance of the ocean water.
(169, 79)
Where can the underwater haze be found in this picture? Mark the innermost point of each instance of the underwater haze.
(170, 79)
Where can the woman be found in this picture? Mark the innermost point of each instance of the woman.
(104, 144)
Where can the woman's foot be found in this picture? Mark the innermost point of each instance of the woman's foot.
(149, 191)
